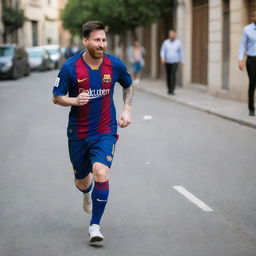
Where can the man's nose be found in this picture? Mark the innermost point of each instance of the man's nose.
(101, 43)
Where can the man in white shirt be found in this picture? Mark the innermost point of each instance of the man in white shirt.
(248, 48)
(171, 54)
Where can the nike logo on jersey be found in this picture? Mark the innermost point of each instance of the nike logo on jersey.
(81, 80)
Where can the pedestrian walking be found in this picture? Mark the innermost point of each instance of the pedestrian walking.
(171, 54)
(89, 78)
(248, 48)
(135, 56)
(71, 51)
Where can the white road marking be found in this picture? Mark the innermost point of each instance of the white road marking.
(193, 199)
(147, 117)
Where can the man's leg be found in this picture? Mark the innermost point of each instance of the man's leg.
(174, 68)
(99, 200)
(85, 186)
(251, 69)
(168, 76)
(82, 166)
(100, 191)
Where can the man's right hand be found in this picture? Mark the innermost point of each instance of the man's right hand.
(162, 61)
(82, 99)
(241, 65)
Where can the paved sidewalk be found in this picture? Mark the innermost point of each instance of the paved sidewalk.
(229, 109)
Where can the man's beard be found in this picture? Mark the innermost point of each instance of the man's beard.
(94, 52)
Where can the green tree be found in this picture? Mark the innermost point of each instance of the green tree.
(119, 15)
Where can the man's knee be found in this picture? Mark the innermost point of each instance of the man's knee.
(83, 184)
(100, 172)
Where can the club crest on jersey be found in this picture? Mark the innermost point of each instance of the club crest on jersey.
(107, 78)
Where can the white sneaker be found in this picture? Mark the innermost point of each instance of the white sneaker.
(87, 202)
(94, 234)
(136, 81)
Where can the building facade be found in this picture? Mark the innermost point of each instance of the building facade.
(211, 33)
(42, 25)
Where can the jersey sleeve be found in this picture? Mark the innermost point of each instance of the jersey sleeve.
(62, 83)
(124, 77)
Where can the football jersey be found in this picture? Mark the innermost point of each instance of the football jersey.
(98, 116)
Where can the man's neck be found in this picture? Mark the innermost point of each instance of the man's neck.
(92, 62)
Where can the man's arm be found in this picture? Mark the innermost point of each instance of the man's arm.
(125, 118)
(66, 101)
(242, 50)
(162, 53)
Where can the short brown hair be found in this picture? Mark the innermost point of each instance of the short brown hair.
(89, 26)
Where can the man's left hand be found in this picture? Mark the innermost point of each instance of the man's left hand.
(124, 119)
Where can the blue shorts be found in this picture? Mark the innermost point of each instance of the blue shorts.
(83, 153)
(136, 67)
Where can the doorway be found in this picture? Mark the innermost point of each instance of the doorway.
(200, 42)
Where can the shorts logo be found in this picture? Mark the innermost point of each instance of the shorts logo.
(109, 158)
(57, 81)
(81, 80)
(107, 78)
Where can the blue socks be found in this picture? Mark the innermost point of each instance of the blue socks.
(99, 200)
(87, 190)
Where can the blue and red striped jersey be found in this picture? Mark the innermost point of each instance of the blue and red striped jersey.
(98, 116)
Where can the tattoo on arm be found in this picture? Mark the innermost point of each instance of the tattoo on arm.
(128, 95)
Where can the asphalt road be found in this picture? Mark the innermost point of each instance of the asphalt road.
(168, 145)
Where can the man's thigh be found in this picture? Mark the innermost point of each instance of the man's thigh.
(79, 157)
(102, 151)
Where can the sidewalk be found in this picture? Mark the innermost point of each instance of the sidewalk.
(228, 109)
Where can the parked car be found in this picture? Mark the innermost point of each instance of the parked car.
(39, 59)
(55, 53)
(13, 61)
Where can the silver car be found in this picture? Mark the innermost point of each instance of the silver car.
(55, 53)
(39, 59)
(13, 61)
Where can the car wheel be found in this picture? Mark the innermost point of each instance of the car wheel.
(15, 73)
(27, 73)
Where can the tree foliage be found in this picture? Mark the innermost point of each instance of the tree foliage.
(119, 15)
(13, 18)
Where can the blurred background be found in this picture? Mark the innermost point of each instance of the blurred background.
(169, 145)
(210, 32)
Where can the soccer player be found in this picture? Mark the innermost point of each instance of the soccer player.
(86, 83)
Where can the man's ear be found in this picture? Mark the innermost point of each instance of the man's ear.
(85, 41)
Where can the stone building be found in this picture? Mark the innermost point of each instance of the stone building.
(211, 33)
(42, 25)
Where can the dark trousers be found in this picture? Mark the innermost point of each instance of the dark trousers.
(171, 70)
(251, 69)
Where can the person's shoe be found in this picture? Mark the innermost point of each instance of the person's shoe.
(87, 202)
(251, 113)
(94, 234)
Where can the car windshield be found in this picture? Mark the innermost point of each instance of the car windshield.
(6, 51)
(35, 54)
(53, 51)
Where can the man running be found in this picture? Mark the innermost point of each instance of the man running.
(86, 83)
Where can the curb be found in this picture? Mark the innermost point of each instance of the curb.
(236, 120)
